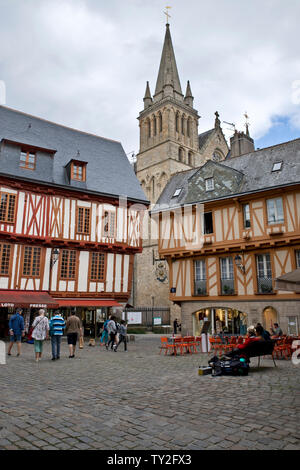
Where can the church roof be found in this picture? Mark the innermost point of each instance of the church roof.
(202, 138)
(249, 173)
(108, 169)
(168, 73)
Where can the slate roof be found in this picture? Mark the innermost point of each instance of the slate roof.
(202, 138)
(108, 170)
(248, 173)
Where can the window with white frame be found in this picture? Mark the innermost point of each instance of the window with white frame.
(246, 214)
(297, 253)
(200, 277)
(264, 273)
(209, 184)
(275, 211)
(227, 275)
(293, 326)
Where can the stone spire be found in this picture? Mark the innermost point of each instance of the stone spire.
(189, 99)
(168, 79)
(147, 98)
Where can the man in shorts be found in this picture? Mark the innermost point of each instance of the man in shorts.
(16, 331)
(73, 329)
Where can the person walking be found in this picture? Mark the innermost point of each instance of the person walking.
(122, 336)
(73, 330)
(104, 336)
(40, 333)
(16, 331)
(112, 331)
(57, 325)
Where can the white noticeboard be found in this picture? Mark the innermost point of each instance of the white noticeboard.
(156, 321)
(134, 318)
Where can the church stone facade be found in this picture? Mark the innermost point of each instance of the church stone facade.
(169, 144)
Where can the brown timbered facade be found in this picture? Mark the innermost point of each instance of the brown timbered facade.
(225, 247)
(69, 228)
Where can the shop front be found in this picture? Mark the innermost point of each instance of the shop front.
(219, 320)
(29, 301)
(92, 313)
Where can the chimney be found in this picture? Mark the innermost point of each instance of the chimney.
(241, 143)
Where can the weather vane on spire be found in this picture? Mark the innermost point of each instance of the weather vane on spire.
(167, 14)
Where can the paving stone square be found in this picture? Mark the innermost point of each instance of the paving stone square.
(143, 400)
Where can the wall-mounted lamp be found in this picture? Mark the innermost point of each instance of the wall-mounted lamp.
(54, 257)
(238, 262)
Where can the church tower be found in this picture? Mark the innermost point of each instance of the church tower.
(168, 127)
(169, 143)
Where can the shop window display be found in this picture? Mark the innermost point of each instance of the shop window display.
(220, 321)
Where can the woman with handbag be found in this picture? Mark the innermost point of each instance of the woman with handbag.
(40, 328)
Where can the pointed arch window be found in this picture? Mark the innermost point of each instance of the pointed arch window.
(180, 155)
(177, 122)
(153, 187)
(159, 122)
(182, 125)
(148, 126)
(154, 125)
(188, 128)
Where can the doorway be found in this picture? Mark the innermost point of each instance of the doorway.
(269, 317)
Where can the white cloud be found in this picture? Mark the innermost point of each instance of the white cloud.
(85, 63)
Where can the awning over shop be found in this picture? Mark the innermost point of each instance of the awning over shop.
(289, 282)
(87, 303)
(26, 299)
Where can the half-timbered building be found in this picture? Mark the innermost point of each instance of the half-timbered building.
(228, 230)
(70, 215)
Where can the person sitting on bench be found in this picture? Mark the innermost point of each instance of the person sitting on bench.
(253, 334)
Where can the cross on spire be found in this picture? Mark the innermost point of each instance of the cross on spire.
(167, 14)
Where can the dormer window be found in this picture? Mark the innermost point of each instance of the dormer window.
(209, 184)
(78, 171)
(277, 166)
(27, 160)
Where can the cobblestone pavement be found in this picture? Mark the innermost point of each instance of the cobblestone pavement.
(141, 400)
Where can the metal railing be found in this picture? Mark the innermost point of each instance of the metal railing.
(149, 313)
(227, 286)
(265, 285)
(200, 287)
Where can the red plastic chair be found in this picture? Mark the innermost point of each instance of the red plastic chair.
(167, 346)
(179, 345)
(217, 346)
(198, 341)
(190, 340)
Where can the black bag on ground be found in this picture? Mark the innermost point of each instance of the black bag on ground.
(229, 366)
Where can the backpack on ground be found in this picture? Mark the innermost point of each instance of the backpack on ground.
(237, 365)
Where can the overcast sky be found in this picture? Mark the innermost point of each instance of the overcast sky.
(85, 63)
